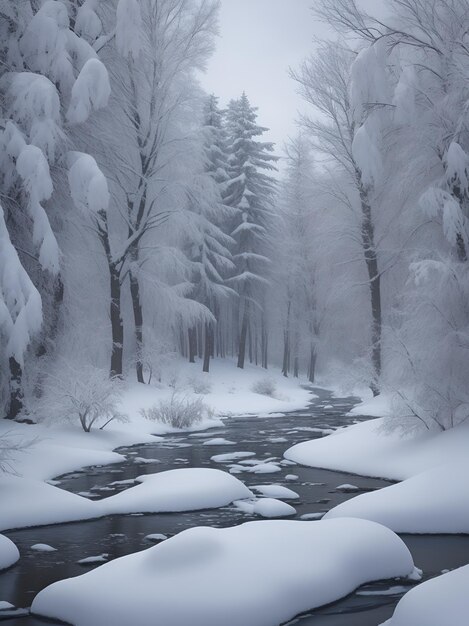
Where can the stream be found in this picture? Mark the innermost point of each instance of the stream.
(267, 438)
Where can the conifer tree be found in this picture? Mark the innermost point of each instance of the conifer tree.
(251, 190)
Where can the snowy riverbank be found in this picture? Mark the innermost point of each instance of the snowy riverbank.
(433, 496)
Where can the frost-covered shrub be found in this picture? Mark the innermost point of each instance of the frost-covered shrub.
(200, 386)
(87, 395)
(264, 386)
(178, 412)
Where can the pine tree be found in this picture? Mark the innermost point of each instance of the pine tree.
(251, 190)
(211, 245)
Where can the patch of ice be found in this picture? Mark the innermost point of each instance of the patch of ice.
(155, 537)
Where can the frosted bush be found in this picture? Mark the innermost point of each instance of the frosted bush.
(179, 411)
(87, 395)
(200, 386)
(264, 386)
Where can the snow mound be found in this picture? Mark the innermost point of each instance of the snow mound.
(319, 564)
(185, 489)
(9, 553)
(435, 501)
(43, 547)
(276, 491)
(270, 507)
(264, 468)
(442, 600)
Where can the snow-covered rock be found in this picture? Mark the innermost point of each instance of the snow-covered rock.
(90, 560)
(185, 489)
(9, 553)
(276, 491)
(233, 456)
(270, 507)
(43, 547)
(311, 565)
(441, 600)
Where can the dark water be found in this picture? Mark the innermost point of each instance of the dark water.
(124, 534)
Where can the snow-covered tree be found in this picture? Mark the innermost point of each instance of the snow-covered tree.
(144, 149)
(296, 262)
(251, 190)
(50, 79)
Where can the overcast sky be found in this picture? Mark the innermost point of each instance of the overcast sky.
(259, 40)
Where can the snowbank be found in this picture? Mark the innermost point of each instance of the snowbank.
(442, 600)
(434, 497)
(9, 553)
(436, 501)
(33, 503)
(301, 565)
(370, 449)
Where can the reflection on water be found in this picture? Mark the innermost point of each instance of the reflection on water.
(266, 438)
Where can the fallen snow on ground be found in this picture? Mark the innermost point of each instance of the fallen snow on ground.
(434, 494)
(9, 553)
(441, 600)
(64, 448)
(301, 565)
(435, 501)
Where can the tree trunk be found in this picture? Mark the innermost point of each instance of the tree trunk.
(192, 344)
(16, 402)
(286, 353)
(117, 325)
(371, 261)
(312, 365)
(265, 344)
(208, 347)
(242, 339)
(138, 321)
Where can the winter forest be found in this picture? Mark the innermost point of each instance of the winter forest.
(234, 359)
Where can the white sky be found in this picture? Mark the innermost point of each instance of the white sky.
(259, 40)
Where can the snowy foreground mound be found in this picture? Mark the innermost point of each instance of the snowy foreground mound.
(260, 573)
(34, 503)
(442, 600)
(9, 553)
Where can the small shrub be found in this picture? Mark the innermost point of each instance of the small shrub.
(87, 395)
(179, 412)
(264, 386)
(200, 386)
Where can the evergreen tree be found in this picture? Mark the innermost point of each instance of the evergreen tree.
(251, 190)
